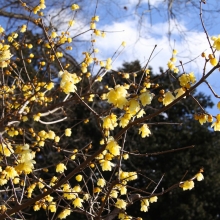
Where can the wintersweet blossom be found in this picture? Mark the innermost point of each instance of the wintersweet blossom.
(187, 185)
(199, 176)
(68, 81)
(64, 213)
(6, 150)
(110, 121)
(187, 79)
(214, 61)
(179, 92)
(146, 98)
(106, 165)
(79, 178)
(117, 96)
(77, 203)
(123, 190)
(68, 132)
(10, 172)
(133, 106)
(216, 43)
(168, 98)
(203, 118)
(114, 194)
(74, 7)
(153, 199)
(144, 205)
(60, 168)
(125, 120)
(113, 147)
(5, 53)
(144, 131)
(216, 124)
(23, 28)
(101, 182)
(121, 204)
(52, 207)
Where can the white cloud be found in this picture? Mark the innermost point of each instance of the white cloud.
(140, 48)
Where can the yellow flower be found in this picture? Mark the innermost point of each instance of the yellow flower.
(74, 7)
(144, 131)
(132, 176)
(125, 120)
(123, 190)
(199, 177)
(101, 182)
(216, 124)
(187, 185)
(86, 196)
(168, 98)
(50, 85)
(57, 139)
(6, 150)
(51, 135)
(146, 98)
(175, 52)
(36, 207)
(95, 18)
(53, 34)
(26, 166)
(117, 96)
(92, 25)
(144, 205)
(214, 61)
(123, 43)
(113, 147)
(77, 203)
(5, 53)
(106, 165)
(125, 156)
(179, 92)
(110, 121)
(121, 204)
(114, 194)
(218, 105)
(192, 77)
(68, 132)
(216, 43)
(68, 81)
(71, 23)
(79, 178)
(153, 199)
(170, 65)
(52, 207)
(60, 168)
(203, 119)
(23, 28)
(133, 106)
(1, 29)
(64, 214)
(37, 117)
(10, 172)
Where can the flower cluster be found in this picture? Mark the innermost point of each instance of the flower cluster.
(186, 80)
(171, 63)
(5, 55)
(68, 81)
(145, 203)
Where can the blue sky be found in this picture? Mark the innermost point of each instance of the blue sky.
(142, 27)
